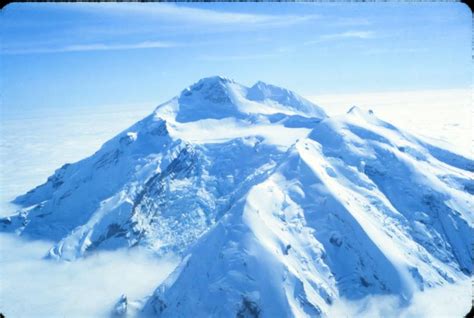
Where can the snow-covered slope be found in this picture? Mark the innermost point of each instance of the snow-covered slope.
(357, 208)
(165, 180)
(218, 97)
(275, 208)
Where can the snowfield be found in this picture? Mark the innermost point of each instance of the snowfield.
(272, 207)
(444, 116)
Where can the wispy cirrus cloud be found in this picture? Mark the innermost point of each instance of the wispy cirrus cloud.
(362, 35)
(143, 21)
(349, 34)
(345, 21)
(397, 50)
(270, 53)
(90, 47)
(192, 15)
(237, 57)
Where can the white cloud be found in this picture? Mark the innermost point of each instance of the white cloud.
(31, 286)
(34, 287)
(377, 51)
(340, 21)
(91, 47)
(350, 34)
(240, 57)
(202, 15)
(170, 19)
(444, 301)
(362, 35)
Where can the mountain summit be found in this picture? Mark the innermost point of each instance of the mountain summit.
(218, 97)
(275, 208)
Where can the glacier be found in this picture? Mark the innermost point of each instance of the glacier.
(275, 208)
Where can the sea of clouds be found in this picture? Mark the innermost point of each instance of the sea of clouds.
(453, 300)
(32, 286)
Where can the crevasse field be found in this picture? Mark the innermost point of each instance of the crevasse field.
(31, 286)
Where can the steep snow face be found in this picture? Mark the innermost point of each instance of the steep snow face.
(274, 207)
(217, 110)
(357, 208)
(69, 197)
(208, 98)
(162, 182)
(281, 98)
(426, 191)
(259, 260)
(164, 194)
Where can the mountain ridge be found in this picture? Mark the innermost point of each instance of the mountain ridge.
(273, 206)
(223, 97)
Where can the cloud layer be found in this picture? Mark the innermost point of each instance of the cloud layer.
(34, 287)
(444, 301)
(92, 47)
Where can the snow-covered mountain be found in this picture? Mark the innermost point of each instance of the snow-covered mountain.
(276, 209)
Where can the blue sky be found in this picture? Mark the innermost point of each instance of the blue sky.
(89, 55)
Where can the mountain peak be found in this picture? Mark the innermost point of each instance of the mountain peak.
(207, 83)
(213, 89)
(272, 210)
(355, 110)
(261, 91)
(216, 78)
(210, 97)
(366, 115)
(218, 97)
